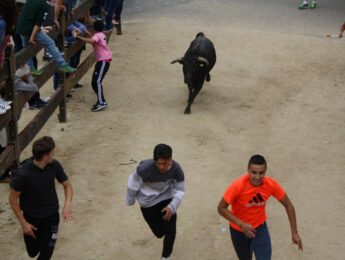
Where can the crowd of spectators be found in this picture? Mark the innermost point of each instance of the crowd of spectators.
(28, 22)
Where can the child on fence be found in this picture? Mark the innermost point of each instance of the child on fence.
(74, 29)
(103, 57)
(29, 28)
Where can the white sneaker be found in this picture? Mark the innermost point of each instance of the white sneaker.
(5, 106)
(2, 111)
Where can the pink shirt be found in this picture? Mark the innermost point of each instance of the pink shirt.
(102, 51)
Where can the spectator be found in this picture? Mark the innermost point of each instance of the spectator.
(74, 29)
(304, 4)
(103, 58)
(18, 44)
(25, 83)
(7, 22)
(96, 10)
(113, 9)
(29, 28)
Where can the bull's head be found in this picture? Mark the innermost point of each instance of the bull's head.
(191, 66)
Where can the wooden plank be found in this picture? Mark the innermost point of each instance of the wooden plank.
(6, 158)
(30, 51)
(36, 124)
(82, 70)
(4, 72)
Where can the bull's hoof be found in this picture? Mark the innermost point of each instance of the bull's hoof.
(187, 112)
(208, 77)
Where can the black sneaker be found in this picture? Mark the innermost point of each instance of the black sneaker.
(98, 107)
(41, 101)
(36, 105)
(78, 85)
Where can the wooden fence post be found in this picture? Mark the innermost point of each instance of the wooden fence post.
(62, 76)
(10, 95)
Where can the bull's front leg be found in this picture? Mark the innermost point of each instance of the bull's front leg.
(187, 110)
(193, 93)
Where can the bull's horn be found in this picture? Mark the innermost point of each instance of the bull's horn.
(201, 59)
(177, 60)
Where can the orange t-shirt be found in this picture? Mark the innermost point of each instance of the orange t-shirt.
(248, 202)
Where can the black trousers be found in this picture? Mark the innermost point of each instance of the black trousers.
(101, 69)
(160, 227)
(46, 234)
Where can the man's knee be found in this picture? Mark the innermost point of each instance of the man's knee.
(159, 234)
(33, 252)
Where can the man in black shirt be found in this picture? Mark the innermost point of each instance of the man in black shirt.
(38, 208)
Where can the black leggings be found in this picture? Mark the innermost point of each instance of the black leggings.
(46, 235)
(160, 227)
(101, 68)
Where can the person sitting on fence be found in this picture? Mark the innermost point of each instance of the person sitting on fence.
(103, 58)
(25, 83)
(7, 23)
(29, 28)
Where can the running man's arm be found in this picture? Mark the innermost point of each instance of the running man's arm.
(178, 196)
(67, 209)
(248, 229)
(134, 185)
(290, 210)
(27, 228)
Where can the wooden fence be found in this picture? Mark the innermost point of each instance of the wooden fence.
(18, 141)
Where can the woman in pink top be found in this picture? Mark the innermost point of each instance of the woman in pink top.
(103, 57)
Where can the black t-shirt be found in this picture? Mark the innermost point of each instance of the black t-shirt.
(38, 196)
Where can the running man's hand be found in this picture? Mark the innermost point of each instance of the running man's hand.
(168, 213)
(248, 230)
(29, 230)
(298, 241)
(67, 214)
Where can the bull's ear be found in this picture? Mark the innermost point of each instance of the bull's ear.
(180, 60)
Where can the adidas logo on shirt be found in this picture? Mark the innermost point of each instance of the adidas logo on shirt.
(256, 201)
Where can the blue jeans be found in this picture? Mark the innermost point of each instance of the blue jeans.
(49, 44)
(245, 246)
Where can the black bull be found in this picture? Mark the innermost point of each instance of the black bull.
(197, 63)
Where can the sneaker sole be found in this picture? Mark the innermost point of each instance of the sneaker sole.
(98, 109)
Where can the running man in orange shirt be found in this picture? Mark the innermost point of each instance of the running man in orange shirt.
(247, 196)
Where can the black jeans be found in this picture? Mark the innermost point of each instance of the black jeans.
(101, 68)
(46, 235)
(160, 227)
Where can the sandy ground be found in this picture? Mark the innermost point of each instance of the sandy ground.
(272, 92)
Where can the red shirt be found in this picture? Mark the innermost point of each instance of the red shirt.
(248, 202)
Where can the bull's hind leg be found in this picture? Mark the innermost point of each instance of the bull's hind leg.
(208, 77)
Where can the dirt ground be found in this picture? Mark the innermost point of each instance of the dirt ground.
(276, 93)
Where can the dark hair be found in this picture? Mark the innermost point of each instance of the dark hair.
(162, 151)
(8, 13)
(257, 159)
(42, 147)
(98, 26)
